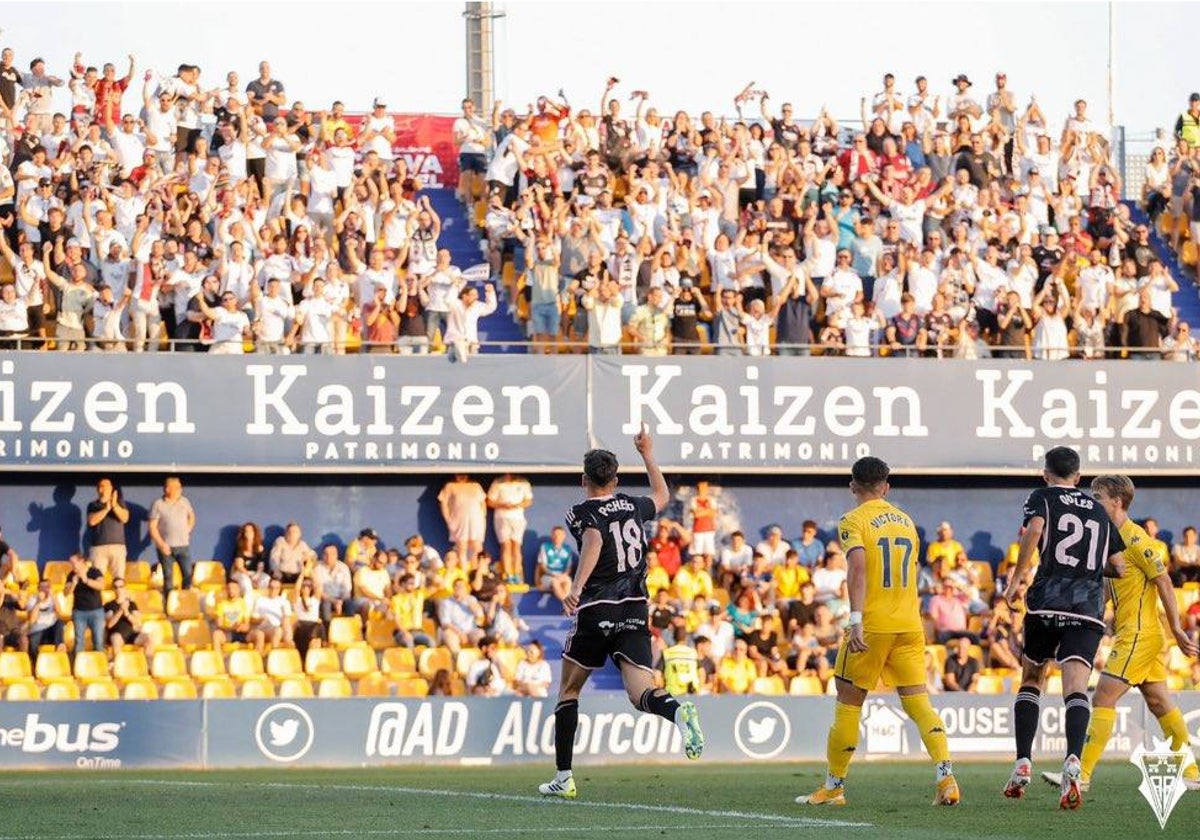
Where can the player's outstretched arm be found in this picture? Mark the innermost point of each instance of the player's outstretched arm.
(1029, 543)
(589, 556)
(644, 444)
(1166, 595)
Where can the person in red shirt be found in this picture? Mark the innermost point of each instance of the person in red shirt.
(669, 543)
(704, 521)
(109, 90)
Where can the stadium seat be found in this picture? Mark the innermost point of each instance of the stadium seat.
(509, 659)
(101, 690)
(221, 688)
(91, 666)
(56, 572)
(399, 661)
(209, 574)
(465, 659)
(458, 686)
(207, 665)
(345, 631)
(989, 684)
(374, 685)
(14, 667)
(258, 688)
(335, 687)
(1054, 684)
(138, 575)
(140, 689)
(149, 602)
(160, 631)
(412, 687)
(1188, 253)
(434, 659)
(295, 687)
(358, 661)
(53, 666)
(284, 662)
(180, 688)
(1175, 683)
(380, 633)
(939, 656)
(983, 574)
(168, 664)
(61, 689)
(1177, 660)
(25, 689)
(130, 664)
(245, 665)
(27, 571)
(322, 662)
(806, 685)
(768, 685)
(194, 634)
(183, 604)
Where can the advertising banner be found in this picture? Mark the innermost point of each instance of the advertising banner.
(97, 735)
(426, 145)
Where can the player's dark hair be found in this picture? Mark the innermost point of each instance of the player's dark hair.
(869, 472)
(1062, 462)
(680, 634)
(600, 467)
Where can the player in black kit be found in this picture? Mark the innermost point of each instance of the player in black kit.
(1079, 546)
(611, 609)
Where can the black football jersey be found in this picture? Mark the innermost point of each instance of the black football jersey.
(1077, 540)
(620, 573)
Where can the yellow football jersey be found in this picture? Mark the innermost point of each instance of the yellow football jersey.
(1134, 596)
(889, 539)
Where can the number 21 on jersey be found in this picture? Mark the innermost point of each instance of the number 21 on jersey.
(628, 543)
(886, 544)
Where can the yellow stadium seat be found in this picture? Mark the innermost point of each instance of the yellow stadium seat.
(412, 687)
(975, 625)
(258, 687)
(345, 631)
(27, 571)
(138, 575)
(458, 686)
(91, 666)
(433, 660)
(374, 685)
(295, 687)
(61, 689)
(768, 685)
(322, 662)
(359, 661)
(1166, 224)
(149, 602)
(53, 666)
(989, 684)
(939, 656)
(1188, 253)
(101, 690)
(140, 689)
(465, 659)
(14, 666)
(207, 665)
(168, 665)
(399, 661)
(245, 665)
(1175, 683)
(509, 659)
(130, 664)
(180, 688)
(160, 631)
(1177, 660)
(209, 574)
(1054, 684)
(284, 662)
(194, 634)
(983, 574)
(430, 627)
(25, 689)
(337, 686)
(380, 633)
(806, 685)
(221, 688)
(183, 604)
(56, 572)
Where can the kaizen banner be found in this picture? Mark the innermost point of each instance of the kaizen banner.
(539, 413)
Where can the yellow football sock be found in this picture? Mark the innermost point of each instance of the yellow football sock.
(929, 724)
(1099, 731)
(843, 739)
(1174, 728)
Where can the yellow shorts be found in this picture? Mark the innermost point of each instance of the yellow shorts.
(899, 658)
(1136, 661)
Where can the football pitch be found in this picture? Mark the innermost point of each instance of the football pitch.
(693, 801)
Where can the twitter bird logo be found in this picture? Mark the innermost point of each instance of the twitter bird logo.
(760, 731)
(284, 732)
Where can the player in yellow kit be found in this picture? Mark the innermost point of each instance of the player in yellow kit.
(1138, 657)
(885, 637)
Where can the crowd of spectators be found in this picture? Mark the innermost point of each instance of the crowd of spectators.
(728, 613)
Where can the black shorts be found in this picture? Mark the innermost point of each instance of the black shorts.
(36, 316)
(620, 631)
(1061, 638)
(472, 162)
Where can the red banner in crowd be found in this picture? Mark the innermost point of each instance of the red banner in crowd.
(426, 144)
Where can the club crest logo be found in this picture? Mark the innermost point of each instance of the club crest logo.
(1162, 776)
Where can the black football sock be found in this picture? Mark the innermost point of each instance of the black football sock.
(566, 720)
(1079, 712)
(658, 702)
(1026, 711)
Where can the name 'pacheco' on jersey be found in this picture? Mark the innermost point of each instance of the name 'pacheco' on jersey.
(620, 573)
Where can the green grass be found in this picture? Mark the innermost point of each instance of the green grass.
(726, 801)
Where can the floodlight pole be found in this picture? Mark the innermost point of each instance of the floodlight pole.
(481, 56)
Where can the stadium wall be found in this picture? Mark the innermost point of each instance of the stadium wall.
(474, 731)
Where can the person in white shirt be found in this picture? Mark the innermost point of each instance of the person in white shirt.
(273, 313)
(14, 318)
(533, 676)
(230, 326)
(842, 287)
(1161, 285)
(508, 497)
(314, 321)
(271, 618)
(107, 310)
(129, 144)
(923, 282)
(281, 169)
(462, 320)
(471, 136)
(30, 284)
(378, 131)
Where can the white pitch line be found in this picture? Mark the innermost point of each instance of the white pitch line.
(404, 832)
(797, 822)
